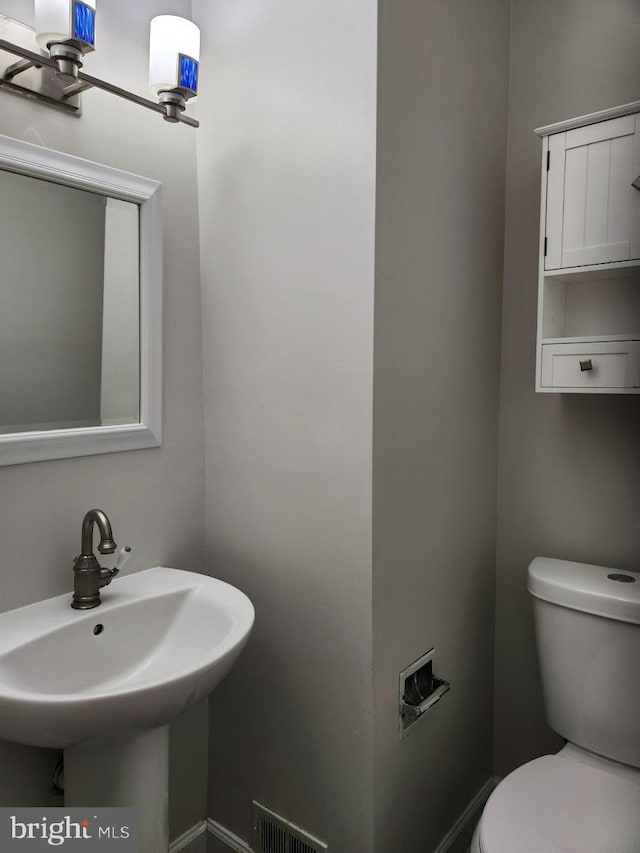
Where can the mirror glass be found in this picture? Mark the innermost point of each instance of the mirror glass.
(69, 307)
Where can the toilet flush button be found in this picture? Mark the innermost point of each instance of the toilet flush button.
(621, 578)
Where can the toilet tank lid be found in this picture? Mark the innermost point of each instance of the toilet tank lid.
(611, 593)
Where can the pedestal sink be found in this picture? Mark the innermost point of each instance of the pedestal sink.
(104, 684)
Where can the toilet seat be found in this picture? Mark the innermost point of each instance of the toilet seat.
(557, 805)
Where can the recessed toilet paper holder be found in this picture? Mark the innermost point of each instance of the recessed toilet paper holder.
(420, 689)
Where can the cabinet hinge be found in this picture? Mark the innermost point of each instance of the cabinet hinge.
(548, 160)
(545, 247)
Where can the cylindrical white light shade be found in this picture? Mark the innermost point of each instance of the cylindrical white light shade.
(61, 20)
(174, 53)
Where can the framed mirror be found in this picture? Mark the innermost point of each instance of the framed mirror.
(80, 307)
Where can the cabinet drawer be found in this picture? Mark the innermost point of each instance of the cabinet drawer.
(612, 364)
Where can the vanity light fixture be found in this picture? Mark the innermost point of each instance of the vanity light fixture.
(174, 55)
(65, 31)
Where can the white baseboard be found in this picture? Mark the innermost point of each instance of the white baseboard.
(194, 840)
(221, 840)
(209, 836)
(456, 840)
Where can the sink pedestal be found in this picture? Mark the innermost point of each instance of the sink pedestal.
(111, 682)
(129, 772)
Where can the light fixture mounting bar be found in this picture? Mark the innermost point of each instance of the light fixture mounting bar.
(31, 60)
(33, 95)
(34, 60)
(33, 76)
(76, 89)
(130, 96)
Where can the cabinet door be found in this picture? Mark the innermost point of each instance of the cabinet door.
(593, 211)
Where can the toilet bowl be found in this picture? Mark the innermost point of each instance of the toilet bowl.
(562, 804)
(586, 798)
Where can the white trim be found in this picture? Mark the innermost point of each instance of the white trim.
(61, 168)
(38, 162)
(232, 841)
(592, 118)
(476, 804)
(541, 242)
(186, 839)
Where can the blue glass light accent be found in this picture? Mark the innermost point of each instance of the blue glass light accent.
(187, 73)
(84, 23)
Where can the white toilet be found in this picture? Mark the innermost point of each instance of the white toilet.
(586, 798)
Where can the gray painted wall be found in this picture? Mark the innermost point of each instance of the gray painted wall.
(569, 465)
(155, 498)
(286, 156)
(442, 111)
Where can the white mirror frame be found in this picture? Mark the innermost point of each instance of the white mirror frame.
(38, 162)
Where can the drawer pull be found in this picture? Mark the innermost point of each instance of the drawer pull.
(586, 365)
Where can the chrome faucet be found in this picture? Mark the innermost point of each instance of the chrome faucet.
(88, 576)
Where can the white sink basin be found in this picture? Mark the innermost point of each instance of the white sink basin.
(161, 640)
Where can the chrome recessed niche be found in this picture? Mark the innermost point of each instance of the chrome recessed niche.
(420, 690)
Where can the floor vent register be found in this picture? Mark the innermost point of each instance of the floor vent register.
(274, 834)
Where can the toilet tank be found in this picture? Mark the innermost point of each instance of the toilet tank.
(587, 621)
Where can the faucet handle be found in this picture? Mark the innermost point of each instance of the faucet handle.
(123, 555)
(107, 575)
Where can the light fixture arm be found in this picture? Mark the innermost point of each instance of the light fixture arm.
(17, 67)
(30, 59)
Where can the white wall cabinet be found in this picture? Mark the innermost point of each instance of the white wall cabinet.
(589, 282)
